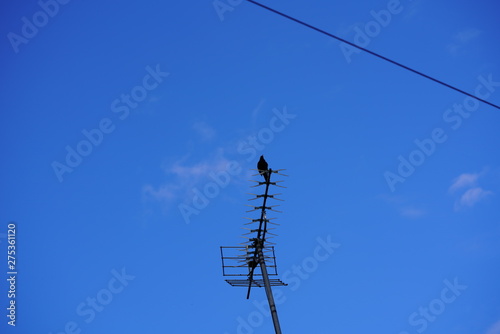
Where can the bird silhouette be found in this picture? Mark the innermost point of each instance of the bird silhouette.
(263, 168)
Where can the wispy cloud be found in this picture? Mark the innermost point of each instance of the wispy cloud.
(183, 177)
(494, 329)
(401, 205)
(461, 39)
(192, 184)
(467, 35)
(204, 130)
(466, 186)
(163, 193)
(412, 9)
(472, 196)
(256, 110)
(463, 181)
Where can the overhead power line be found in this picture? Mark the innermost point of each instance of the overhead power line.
(372, 53)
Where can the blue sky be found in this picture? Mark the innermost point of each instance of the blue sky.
(128, 133)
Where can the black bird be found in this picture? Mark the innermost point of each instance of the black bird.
(263, 168)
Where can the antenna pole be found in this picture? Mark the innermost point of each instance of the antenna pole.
(269, 292)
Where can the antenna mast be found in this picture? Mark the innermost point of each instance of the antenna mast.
(257, 250)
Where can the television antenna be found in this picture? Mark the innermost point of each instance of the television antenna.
(257, 251)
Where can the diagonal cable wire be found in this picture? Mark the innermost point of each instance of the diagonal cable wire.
(372, 53)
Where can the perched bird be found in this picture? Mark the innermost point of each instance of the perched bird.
(263, 168)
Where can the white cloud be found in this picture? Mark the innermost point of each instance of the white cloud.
(467, 188)
(164, 193)
(461, 39)
(184, 177)
(467, 35)
(191, 172)
(401, 205)
(494, 329)
(412, 9)
(463, 181)
(472, 196)
(205, 131)
(256, 111)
